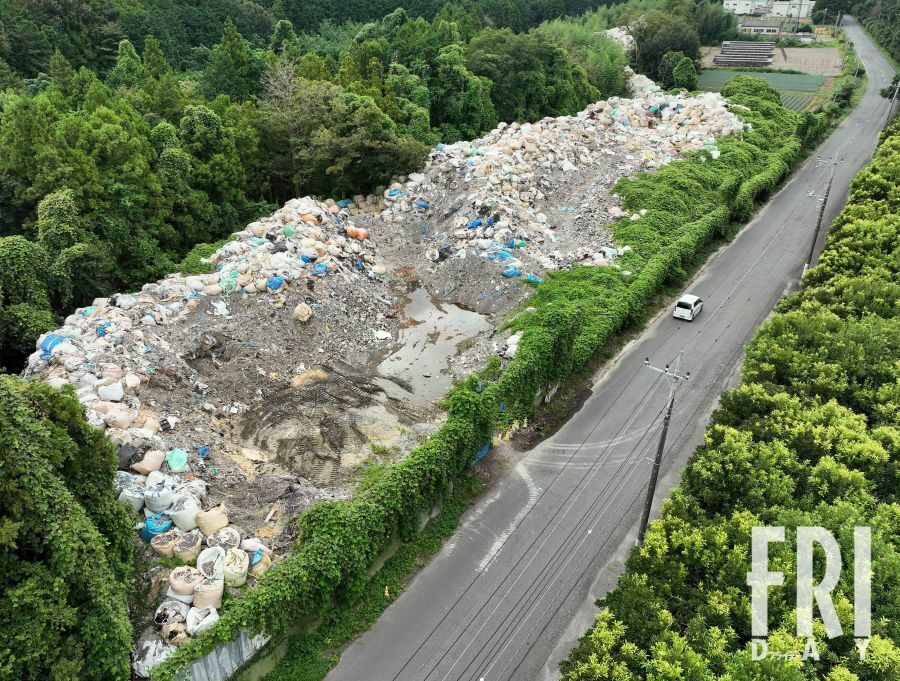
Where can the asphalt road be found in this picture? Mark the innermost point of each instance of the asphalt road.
(514, 588)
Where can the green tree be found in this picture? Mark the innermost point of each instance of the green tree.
(128, 71)
(312, 67)
(232, 68)
(685, 74)
(215, 171)
(665, 75)
(530, 77)
(154, 60)
(461, 101)
(8, 77)
(61, 72)
(657, 33)
(58, 224)
(283, 37)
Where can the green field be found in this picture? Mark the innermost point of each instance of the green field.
(798, 90)
(797, 101)
(714, 79)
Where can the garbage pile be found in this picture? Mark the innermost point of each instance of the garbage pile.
(256, 384)
(622, 35)
(194, 425)
(498, 198)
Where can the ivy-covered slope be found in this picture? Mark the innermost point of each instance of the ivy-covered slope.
(811, 437)
(65, 542)
(339, 541)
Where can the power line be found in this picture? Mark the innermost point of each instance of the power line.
(500, 548)
(567, 505)
(589, 515)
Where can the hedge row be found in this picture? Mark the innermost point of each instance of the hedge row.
(576, 313)
(811, 437)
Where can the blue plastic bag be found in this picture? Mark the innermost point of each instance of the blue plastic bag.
(511, 271)
(533, 278)
(481, 452)
(50, 342)
(344, 203)
(475, 223)
(154, 525)
(421, 204)
(202, 450)
(319, 269)
(274, 283)
(103, 329)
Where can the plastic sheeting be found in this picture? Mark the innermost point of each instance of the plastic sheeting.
(222, 662)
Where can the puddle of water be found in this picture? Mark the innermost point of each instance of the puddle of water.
(430, 336)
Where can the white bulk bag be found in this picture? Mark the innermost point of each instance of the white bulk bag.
(170, 611)
(133, 495)
(208, 593)
(188, 547)
(164, 544)
(158, 498)
(237, 563)
(201, 619)
(211, 562)
(228, 538)
(184, 512)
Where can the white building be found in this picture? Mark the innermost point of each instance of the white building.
(760, 26)
(794, 9)
(771, 8)
(747, 7)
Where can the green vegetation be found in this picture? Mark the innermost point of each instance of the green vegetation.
(810, 438)
(65, 542)
(714, 79)
(313, 652)
(577, 312)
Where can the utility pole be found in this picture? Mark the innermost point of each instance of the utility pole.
(674, 379)
(822, 203)
(891, 105)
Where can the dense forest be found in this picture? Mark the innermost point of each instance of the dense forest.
(135, 131)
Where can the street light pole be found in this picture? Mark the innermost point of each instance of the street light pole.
(674, 379)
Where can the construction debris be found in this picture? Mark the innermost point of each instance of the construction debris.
(239, 397)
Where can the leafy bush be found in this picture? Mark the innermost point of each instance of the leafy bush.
(811, 437)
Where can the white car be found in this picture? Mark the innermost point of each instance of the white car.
(687, 307)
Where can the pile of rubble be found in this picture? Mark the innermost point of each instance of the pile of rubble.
(498, 199)
(622, 35)
(195, 423)
(257, 384)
